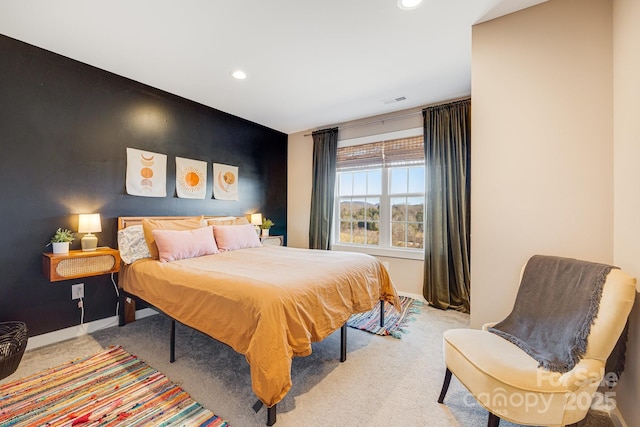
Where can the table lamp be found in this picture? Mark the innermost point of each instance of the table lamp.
(89, 223)
(256, 221)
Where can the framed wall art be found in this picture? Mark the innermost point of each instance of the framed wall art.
(225, 182)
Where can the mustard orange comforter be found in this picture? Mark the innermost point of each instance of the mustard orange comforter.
(268, 303)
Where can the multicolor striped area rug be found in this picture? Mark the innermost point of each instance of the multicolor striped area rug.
(111, 388)
(395, 322)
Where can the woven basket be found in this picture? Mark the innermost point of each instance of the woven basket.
(13, 341)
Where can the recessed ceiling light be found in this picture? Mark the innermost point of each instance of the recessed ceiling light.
(239, 74)
(408, 4)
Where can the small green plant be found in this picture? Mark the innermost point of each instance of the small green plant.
(267, 224)
(62, 235)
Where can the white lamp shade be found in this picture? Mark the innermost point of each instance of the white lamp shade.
(256, 219)
(89, 223)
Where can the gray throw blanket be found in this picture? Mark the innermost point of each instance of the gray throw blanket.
(556, 304)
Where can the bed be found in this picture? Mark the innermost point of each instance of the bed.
(269, 303)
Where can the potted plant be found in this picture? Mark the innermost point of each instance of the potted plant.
(60, 241)
(266, 225)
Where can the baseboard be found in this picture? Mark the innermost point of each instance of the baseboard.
(414, 296)
(600, 405)
(616, 417)
(79, 330)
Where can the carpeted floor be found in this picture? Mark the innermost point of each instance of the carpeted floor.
(385, 381)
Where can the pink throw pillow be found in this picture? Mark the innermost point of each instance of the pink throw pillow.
(150, 224)
(181, 244)
(232, 237)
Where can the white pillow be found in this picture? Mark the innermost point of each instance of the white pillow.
(132, 245)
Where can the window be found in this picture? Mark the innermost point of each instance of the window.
(406, 195)
(359, 203)
(380, 195)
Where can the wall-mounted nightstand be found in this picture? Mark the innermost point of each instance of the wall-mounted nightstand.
(75, 264)
(272, 240)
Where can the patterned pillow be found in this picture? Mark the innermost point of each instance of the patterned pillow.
(132, 245)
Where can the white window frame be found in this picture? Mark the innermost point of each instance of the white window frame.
(385, 232)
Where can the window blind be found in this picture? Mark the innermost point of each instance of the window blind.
(395, 152)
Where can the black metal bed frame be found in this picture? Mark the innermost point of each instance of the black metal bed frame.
(271, 411)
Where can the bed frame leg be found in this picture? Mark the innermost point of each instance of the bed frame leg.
(271, 415)
(382, 313)
(343, 343)
(172, 342)
(121, 302)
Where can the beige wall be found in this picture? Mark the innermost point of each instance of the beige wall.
(542, 146)
(300, 152)
(626, 252)
(406, 274)
(556, 151)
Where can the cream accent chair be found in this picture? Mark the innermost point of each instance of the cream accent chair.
(508, 383)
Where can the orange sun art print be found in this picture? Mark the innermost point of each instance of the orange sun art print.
(191, 178)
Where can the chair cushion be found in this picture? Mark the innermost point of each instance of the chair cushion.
(506, 363)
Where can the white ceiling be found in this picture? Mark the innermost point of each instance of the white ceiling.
(310, 63)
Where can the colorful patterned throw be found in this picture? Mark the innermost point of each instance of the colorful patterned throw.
(394, 321)
(111, 388)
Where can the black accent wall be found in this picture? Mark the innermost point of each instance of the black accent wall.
(64, 130)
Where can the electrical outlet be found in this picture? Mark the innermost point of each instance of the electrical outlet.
(77, 291)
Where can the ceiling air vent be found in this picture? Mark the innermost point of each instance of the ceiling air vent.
(392, 100)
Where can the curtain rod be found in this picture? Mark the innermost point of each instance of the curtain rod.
(400, 116)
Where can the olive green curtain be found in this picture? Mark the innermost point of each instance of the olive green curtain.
(447, 139)
(325, 148)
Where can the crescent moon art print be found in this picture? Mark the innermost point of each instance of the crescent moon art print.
(225, 182)
(146, 173)
(191, 178)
